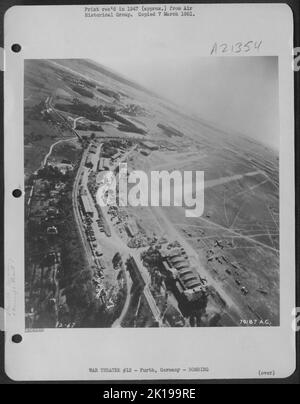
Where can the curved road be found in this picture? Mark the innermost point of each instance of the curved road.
(44, 162)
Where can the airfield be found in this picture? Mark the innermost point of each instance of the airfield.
(89, 267)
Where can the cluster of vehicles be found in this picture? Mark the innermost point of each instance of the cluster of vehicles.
(100, 225)
(116, 214)
(90, 233)
(101, 222)
(91, 236)
(97, 254)
(221, 259)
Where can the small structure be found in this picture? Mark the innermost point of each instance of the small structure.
(93, 149)
(64, 167)
(103, 164)
(116, 156)
(149, 145)
(52, 230)
(131, 228)
(86, 205)
(89, 161)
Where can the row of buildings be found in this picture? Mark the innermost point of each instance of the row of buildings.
(184, 277)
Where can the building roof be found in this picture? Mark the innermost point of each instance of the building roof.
(192, 284)
(150, 145)
(182, 266)
(86, 204)
(93, 148)
(116, 155)
(175, 252)
(178, 260)
(184, 271)
(89, 159)
(188, 277)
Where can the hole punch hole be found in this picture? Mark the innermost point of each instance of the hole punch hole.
(16, 338)
(16, 48)
(17, 193)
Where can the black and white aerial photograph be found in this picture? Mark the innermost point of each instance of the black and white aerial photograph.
(128, 265)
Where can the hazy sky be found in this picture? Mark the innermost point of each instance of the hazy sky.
(236, 93)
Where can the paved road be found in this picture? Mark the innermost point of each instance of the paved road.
(51, 149)
(49, 105)
(76, 209)
(75, 121)
(148, 295)
(121, 246)
(126, 253)
(117, 323)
